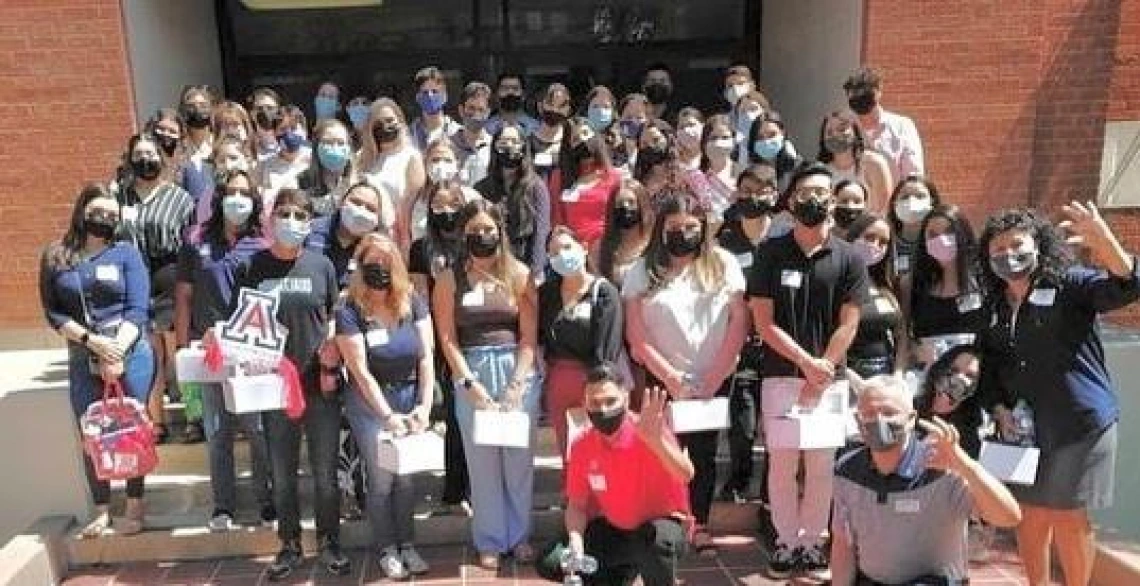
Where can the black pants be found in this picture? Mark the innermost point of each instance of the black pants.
(651, 551)
(744, 406)
(702, 451)
(456, 483)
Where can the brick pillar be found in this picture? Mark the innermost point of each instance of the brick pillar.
(67, 110)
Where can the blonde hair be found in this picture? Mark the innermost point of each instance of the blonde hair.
(369, 150)
(399, 299)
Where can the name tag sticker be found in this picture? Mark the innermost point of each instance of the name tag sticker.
(543, 159)
(884, 305)
(204, 251)
(597, 482)
(571, 195)
(792, 279)
(1043, 297)
(107, 273)
(745, 260)
(582, 311)
(377, 337)
(130, 213)
(969, 302)
(473, 298)
(902, 264)
(907, 506)
(351, 266)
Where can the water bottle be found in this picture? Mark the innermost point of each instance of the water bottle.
(573, 565)
(1023, 419)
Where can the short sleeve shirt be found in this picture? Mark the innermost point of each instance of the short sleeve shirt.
(393, 350)
(682, 321)
(806, 293)
(209, 268)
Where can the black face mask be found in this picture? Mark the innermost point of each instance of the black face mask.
(607, 422)
(844, 216)
(444, 221)
(377, 276)
(100, 227)
(682, 243)
(626, 218)
(482, 245)
(752, 207)
(510, 103)
(658, 92)
(509, 159)
(581, 153)
(810, 213)
(146, 168)
(167, 144)
(552, 118)
(385, 133)
(197, 117)
(266, 118)
(651, 156)
(862, 103)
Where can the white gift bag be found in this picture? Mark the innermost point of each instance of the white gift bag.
(411, 454)
(254, 393)
(689, 415)
(507, 429)
(190, 366)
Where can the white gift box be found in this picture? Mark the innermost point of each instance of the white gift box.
(411, 454)
(190, 366)
(254, 393)
(1009, 463)
(689, 415)
(824, 426)
(506, 429)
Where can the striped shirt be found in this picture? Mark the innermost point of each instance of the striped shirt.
(157, 225)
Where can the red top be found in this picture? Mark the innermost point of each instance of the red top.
(583, 209)
(622, 479)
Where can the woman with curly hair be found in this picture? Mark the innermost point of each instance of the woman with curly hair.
(1043, 347)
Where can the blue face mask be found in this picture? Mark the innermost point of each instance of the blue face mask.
(292, 141)
(358, 115)
(290, 233)
(236, 209)
(568, 261)
(631, 128)
(325, 107)
(768, 148)
(333, 156)
(431, 102)
(599, 117)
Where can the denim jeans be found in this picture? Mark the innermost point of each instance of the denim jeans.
(86, 388)
(321, 425)
(502, 484)
(219, 426)
(391, 498)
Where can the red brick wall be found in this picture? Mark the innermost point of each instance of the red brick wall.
(66, 109)
(1012, 97)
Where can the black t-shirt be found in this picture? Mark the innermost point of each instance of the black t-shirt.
(308, 291)
(806, 293)
(431, 259)
(393, 351)
(733, 239)
(589, 331)
(941, 316)
(879, 316)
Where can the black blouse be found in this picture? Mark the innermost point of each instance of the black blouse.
(589, 331)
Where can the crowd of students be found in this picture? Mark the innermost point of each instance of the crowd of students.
(583, 258)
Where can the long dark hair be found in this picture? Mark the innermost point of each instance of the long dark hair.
(940, 368)
(641, 168)
(611, 235)
(595, 145)
(520, 212)
(436, 241)
(1053, 255)
(935, 198)
(708, 266)
(785, 161)
(927, 271)
(860, 144)
(215, 228)
(125, 175)
(313, 178)
(882, 274)
(65, 253)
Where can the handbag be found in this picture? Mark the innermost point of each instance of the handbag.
(118, 436)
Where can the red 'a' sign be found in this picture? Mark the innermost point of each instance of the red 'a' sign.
(252, 332)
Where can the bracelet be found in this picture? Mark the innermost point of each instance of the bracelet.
(86, 337)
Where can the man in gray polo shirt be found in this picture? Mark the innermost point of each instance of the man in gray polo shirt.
(902, 502)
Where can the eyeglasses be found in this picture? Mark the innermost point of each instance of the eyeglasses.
(812, 192)
(102, 215)
(765, 191)
(294, 214)
(239, 191)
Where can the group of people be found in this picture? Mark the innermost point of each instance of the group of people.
(611, 256)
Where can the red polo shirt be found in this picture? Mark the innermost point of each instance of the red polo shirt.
(622, 479)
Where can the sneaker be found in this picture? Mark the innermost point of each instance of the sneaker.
(392, 565)
(783, 561)
(814, 561)
(334, 560)
(287, 560)
(268, 515)
(193, 434)
(981, 539)
(730, 494)
(413, 563)
(221, 521)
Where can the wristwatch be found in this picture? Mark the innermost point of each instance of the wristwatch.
(86, 337)
(467, 383)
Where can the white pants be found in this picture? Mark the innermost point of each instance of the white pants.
(799, 520)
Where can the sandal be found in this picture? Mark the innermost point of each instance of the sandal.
(99, 526)
(703, 542)
(489, 560)
(132, 523)
(524, 553)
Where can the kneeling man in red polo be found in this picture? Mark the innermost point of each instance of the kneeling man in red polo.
(627, 488)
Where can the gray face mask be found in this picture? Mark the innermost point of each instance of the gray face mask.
(882, 434)
(1010, 266)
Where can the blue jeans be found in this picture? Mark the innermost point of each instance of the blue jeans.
(321, 425)
(391, 498)
(219, 426)
(86, 388)
(502, 479)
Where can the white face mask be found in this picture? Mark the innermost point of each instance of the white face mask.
(733, 93)
(441, 171)
(912, 210)
(239, 164)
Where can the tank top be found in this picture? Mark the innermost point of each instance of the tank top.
(483, 317)
(390, 172)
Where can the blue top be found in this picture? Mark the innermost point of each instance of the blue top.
(1049, 353)
(322, 240)
(529, 125)
(393, 351)
(209, 267)
(113, 284)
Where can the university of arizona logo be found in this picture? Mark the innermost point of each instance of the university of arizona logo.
(252, 332)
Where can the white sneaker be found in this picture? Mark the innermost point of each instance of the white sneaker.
(392, 565)
(413, 563)
(221, 522)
